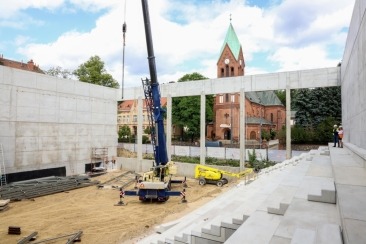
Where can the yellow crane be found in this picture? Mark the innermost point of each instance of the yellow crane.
(210, 175)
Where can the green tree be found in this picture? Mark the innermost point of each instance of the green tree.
(314, 106)
(124, 133)
(60, 72)
(186, 110)
(93, 71)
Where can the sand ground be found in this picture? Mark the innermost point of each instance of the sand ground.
(93, 211)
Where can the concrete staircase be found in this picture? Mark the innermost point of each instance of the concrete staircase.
(291, 202)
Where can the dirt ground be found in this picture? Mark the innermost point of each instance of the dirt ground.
(92, 211)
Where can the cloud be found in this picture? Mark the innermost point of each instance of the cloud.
(11, 9)
(187, 36)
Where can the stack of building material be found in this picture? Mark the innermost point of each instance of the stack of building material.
(14, 230)
(4, 204)
(43, 186)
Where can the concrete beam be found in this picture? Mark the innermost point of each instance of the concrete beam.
(311, 78)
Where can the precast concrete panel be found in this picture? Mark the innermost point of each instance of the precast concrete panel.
(83, 104)
(5, 102)
(49, 120)
(27, 144)
(47, 83)
(7, 129)
(67, 116)
(48, 143)
(48, 115)
(24, 79)
(67, 102)
(66, 129)
(82, 89)
(48, 129)
(27, 97)
(83, 117)
(66, 86)
(27, 114)
(82, 130)
(67, 155)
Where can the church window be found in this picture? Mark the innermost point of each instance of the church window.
(227, 71)
(232, 71)
(222, 72)
(272, 117)
(226, 98)
(221, 99)
(232, 98)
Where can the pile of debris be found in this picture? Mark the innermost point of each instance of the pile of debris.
(43, 186)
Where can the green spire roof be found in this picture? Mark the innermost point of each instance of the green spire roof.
(232, 41)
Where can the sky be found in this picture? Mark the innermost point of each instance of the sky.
(276, 35)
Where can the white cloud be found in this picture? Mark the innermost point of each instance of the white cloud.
(10, 9)
(188, 38)
(302, 58)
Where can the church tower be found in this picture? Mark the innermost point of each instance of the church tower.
(231, 61)
(226, 109)
(264, 111)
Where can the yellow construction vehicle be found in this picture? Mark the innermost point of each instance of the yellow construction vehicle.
(210, 175)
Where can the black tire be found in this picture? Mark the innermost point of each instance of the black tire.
(202, 182)
(225, 180)
(220, 183)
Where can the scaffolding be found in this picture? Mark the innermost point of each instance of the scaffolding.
(2, 167)
(99, 156)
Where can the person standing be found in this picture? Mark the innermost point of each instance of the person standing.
(340, 137)
(335, 135)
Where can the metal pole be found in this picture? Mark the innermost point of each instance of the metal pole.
(124, 29)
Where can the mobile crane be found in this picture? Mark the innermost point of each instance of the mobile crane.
(210, 175)
(156, 183)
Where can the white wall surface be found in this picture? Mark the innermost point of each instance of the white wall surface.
(353, 79)
(48, 122)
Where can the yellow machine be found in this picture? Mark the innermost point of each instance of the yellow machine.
(209, 175)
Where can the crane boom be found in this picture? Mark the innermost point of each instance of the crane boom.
(156, 183)
(152, 95)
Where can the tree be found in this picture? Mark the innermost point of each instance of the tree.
(93, 71)
(314, 106)
(124, 133)
(186, 110)
(60, 72)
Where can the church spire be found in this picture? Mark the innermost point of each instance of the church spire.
(232, 41)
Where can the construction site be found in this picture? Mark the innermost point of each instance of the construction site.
(61, 179)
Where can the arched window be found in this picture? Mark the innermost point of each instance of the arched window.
(253, 135)
(272, 117)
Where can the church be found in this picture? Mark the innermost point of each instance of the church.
(264, 112)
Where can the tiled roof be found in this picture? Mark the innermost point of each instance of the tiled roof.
(232, 41)
(263, 97)
(29, 66)
(126, 105)
(254, 120)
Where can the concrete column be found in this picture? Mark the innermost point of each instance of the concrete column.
(203, 129)
(139, 133)
(242, 129)
(288, 122)
(169, 126)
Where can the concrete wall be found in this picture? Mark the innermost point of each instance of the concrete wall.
(47, 122)
(214, 152)
(353, 79)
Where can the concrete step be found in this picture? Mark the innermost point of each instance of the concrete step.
(329, 233)
(303, 236)
(324, 192)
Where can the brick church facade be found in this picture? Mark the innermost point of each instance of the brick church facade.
(263, 110)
